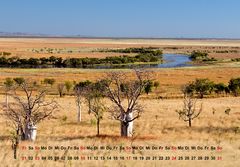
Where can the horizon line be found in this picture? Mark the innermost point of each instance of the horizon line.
(108, 37)
(5, 34)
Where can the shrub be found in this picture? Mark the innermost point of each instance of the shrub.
(156, 84)
(234, 86)
(49, 81)
(68, 85)
(148, 87)
(200, 86)
(196, 55)
(219, 88)
(8, 82)
(19, 80)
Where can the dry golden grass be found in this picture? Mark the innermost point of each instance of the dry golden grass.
(158, 126)
(163, 42)
(22, 47)
(171, 80)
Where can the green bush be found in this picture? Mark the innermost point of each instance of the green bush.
(68, 85)
(219, 88)
(8, 82)
(234, 86)
(198, 55)
(149, 86)
(200, 86)
(49, 81)
(19, 80)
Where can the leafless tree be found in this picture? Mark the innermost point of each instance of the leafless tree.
(25, 110)
(28, 108)
(189, 111)
(124, 92)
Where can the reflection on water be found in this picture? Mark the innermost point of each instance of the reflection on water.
(171, 61)
(175, 60)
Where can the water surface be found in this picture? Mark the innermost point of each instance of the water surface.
(170, 61)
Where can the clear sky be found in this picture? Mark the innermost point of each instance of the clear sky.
(123, 18)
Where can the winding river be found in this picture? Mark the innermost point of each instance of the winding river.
(175, 60)
(170, 61)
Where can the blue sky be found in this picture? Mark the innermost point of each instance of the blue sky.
(123, 18)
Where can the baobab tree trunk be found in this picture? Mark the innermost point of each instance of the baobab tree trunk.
(30, 132)
(127, 125)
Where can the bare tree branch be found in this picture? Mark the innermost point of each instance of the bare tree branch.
(189, 111)
(124, 91)
(27, 109)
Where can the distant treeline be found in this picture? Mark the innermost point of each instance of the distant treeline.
(74, 62)
(206, 87)
(144, 56)
(150, 50)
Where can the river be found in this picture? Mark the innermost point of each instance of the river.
(170, 61)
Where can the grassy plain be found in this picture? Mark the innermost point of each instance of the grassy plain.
(158, 126)
(83, 47)
(171, 80)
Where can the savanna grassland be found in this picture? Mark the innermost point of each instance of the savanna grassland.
(159, 125)
(82, 47)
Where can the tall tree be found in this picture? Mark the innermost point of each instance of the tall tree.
(95, 102)
(124, 94)
(80, 90)
(26, 109)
